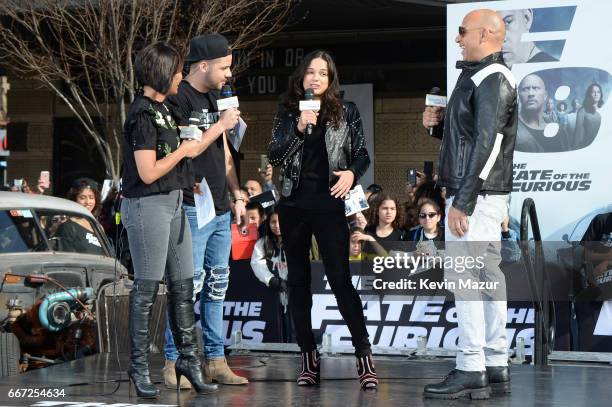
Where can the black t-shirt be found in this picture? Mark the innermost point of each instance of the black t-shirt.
(313, 191)
(599, 232)
(392, 242)
(211, 163)
(75, 238)
(534, 141)
(150, 126)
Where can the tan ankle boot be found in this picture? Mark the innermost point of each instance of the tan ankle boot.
(170, 377)
(218, 371)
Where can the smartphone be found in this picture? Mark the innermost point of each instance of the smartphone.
(45, 179)
(411, 176)
(263, 162)
(18, 183)
(428, 170)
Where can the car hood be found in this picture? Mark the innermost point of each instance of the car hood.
(36, 263)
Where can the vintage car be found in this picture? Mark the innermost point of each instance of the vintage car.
(54, 259)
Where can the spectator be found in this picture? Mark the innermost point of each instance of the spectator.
(411, 216)
(253, 187)
(358, 220)
(421, 178)
(255, 213)
(429, 214)
(430, 190)
(77, 234)
(357, 239)
(597, 242)
(372, 190)
(269, 264)
(385, 221)
(268, 185)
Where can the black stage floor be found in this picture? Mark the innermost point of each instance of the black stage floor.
(93, 382)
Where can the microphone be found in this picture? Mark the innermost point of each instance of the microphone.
(227, 101)
(309, 104)
(433, 98)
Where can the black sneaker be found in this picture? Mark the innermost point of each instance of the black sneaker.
(460, 383)
(499, 379)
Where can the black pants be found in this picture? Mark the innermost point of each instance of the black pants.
(332, 234)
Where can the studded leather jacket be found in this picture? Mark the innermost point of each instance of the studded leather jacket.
(345, 146)
(478, 133)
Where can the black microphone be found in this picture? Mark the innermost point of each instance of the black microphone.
(226, 93)
(434, 91)
(309, 95)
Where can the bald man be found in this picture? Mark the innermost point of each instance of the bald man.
(478, 132)
(530, 137)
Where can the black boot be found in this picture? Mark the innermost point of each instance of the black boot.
(460, 383)
(182, 324)
(310, 374)
(499, 379)
(142, 297)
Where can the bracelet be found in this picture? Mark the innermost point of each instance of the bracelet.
(238, 199)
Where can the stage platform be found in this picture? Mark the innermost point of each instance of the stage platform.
(99, 381)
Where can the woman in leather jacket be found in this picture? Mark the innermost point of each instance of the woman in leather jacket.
(322, 155)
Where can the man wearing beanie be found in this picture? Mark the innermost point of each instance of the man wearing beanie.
(209, 61)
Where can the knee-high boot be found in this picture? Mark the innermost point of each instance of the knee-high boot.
(142, 297)
(182, 324)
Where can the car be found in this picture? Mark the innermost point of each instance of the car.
(54, 260)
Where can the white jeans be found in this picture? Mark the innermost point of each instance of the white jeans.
(481, 314)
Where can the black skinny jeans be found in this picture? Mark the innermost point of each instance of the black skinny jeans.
(332, 234)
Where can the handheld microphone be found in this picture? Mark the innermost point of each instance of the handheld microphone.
(227, 101)
(309, 104)
(433, 98)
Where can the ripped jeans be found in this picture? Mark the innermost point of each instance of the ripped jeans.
(211, 251)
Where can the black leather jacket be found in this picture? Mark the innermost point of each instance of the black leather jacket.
(479, 132)
(345, 146)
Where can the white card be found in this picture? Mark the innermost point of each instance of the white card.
(205, 206)
(235, 137)
(355, 201)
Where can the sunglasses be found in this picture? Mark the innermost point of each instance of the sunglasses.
(431, 215)
(463, 30)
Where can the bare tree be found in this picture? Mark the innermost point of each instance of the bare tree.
(83, 50)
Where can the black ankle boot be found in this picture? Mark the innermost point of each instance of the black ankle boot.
(311, 369)
(460, 383)
(367, 374)
(142, 297)
(182, 324)
(499, 379)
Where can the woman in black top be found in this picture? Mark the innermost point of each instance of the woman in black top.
(76, 234)
(154, 174)
(385, 221)
(322, 155)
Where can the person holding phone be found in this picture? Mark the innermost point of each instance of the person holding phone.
(322, 155)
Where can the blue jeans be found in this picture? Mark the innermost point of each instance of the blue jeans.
(211, 251)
